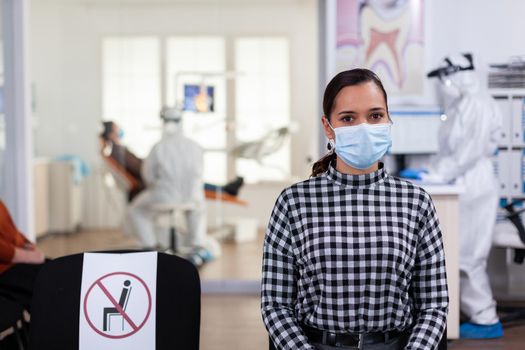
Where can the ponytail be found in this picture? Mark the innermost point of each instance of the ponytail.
(322, 165)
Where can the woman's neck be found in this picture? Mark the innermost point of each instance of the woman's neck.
(344, 168)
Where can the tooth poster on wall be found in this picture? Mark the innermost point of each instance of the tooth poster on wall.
(385, 36)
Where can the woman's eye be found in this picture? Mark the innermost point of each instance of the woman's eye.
(347, 119)
(376, 116)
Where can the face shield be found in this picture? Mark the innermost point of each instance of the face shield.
(456, 79)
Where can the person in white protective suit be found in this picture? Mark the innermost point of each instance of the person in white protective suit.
(468, 139)
(173, 173)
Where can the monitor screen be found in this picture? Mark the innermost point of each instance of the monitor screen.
(415, 131)
(198, 98)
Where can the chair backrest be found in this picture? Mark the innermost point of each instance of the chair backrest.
(56, 304)
(124, 298)
(122, 177)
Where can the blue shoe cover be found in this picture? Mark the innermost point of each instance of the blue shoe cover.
(478, 331)
(195, 260)
(204, 254)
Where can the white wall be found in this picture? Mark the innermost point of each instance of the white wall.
(66, 39)
(491, 30)
(66, 36)
(66, 62)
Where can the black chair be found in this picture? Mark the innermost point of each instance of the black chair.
(56, 303)
(11, 324)
(442, 344)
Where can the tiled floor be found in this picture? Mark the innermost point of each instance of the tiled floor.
(231, 322)
(239, 261)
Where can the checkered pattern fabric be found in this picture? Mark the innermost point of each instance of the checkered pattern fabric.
(354, 253)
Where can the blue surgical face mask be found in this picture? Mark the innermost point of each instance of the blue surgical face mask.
(120, 133)
(362, 145)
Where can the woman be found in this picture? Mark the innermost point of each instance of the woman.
(353, 257)
(20, 262)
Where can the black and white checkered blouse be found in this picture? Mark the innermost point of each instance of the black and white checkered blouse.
(354, 253)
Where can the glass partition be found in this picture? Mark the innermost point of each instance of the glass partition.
(245, 92)
(122, 88)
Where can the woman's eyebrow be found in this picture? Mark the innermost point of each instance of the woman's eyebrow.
(347, 112)
(373, 109)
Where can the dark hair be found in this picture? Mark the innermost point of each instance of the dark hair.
(107, 129)
(343, 79)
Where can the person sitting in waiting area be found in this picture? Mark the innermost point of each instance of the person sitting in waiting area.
(20, 261)
(111, 138)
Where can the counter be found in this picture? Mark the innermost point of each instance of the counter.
(446, 201)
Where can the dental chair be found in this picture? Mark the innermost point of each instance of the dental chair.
(511, 234)
(127, 183)
(123, 179)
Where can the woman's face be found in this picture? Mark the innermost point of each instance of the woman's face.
(357, 104)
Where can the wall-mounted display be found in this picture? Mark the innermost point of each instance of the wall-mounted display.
(198, 98)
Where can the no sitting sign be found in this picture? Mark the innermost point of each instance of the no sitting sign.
(118, 298)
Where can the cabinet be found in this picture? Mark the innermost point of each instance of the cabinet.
(58, 197)
(509, 162)
(41, 203)
(65, 194)
(507, 277)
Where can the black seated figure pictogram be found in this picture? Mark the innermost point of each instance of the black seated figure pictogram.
(112, 311)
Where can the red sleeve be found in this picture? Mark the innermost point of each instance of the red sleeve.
(9, 233)
(7, 251)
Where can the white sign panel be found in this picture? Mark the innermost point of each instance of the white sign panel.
(117, 301)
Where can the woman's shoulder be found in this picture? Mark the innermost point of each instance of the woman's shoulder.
(309, 185)
(408, 188)
(306, 188)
